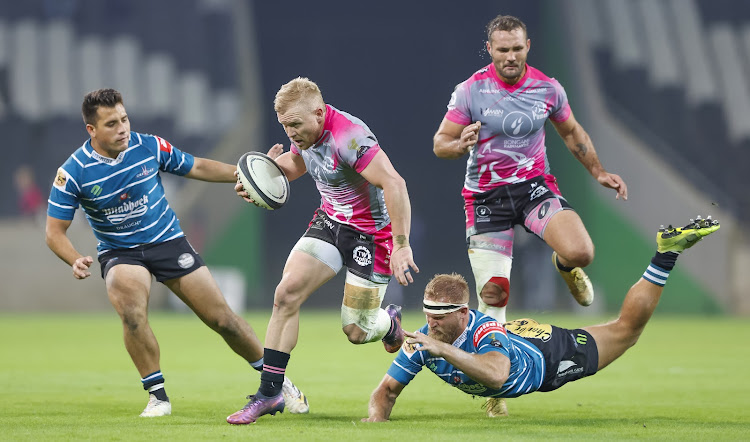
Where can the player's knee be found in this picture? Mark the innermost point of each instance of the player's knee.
(133, 319)
(493, 295)
(355, 334)
(628, 333)
(287, 298)
(580, 256)
(225, 323)
(495, 292)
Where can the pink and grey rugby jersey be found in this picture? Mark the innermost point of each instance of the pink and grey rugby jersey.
(335, 162)
(511, 140)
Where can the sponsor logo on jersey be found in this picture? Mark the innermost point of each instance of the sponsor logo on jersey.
(164, 145)
(517, 125)
(61, 178)
(145, 171)
(185, 261)
(96, 190)
(472, 389)
(529, 328)
(486, 329)
(516, 144)
(127, 210)
(362, 256)
(567, 368)
(353, 144)
(535, 90)
(539, 111)
(489, 91)
(123, 197)
(491, 112)
(362, 151)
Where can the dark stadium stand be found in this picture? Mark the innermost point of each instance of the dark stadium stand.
(690, 102)
(172, 59)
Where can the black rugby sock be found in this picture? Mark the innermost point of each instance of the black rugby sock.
(274, 367)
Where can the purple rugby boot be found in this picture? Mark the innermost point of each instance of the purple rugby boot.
(257, 407)
(395, 337)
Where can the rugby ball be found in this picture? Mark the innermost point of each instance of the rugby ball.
(263, 180)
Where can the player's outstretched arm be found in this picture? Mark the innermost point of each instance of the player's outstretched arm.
(452, 140)
(580, 145)
(212, 171)
(58, 241)
(383, 399)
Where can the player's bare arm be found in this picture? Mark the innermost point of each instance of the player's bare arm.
(580, 145)
(453, 140)
(292, 165)
(58, 241)
(380, 173)
(212, 171)
(383, 399)
(490, 369)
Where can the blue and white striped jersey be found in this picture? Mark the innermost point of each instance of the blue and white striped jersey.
(122, 198)
(483, 334)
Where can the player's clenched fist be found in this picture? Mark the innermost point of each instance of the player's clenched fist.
(81, 267)
(469, 137)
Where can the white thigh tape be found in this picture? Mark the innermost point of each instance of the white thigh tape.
(324, 252)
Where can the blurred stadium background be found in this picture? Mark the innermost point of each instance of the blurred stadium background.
(661, 86)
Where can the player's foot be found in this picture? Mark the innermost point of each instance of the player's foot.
(495, 407)
(679, 239)
(294, 400)
(257, 407)
(156, 408)
(578, 283)
(395, 338)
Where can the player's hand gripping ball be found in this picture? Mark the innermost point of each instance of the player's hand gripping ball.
(263, 180)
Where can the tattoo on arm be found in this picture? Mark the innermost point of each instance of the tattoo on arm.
(401, 241)
(581, 151)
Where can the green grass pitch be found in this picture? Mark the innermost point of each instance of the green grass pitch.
(68, 377)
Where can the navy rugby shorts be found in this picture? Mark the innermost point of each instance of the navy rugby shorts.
(569, 355)
(165, 260)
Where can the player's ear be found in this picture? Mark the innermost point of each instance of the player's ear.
(91, 130)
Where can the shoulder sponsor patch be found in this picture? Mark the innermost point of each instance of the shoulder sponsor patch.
(486, 329)
(164, 145)
(61, 178)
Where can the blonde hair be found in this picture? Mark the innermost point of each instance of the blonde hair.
(447, 288)
(299, 90)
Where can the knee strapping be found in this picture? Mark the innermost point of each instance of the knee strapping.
(361, 307)
(490, 266)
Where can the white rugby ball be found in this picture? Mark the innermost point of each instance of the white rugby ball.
(263, 180)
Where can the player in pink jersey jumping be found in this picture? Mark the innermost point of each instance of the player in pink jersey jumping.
(352, 228)
(497, 116)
